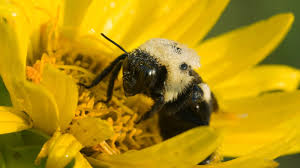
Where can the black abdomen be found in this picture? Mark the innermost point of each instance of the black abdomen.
(188, 111)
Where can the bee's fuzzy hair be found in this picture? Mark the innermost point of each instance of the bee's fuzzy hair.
(172, 54)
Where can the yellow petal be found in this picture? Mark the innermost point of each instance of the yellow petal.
(184, 150)
(81, 162)
(95, 44)
(278, 147)
(64, 149)
(186, 20)
(13, 43)
(233, 52)
(243, 162)
(61, 149)
(199, 18)
(107, 17)
(65, 92)
(296, 146)
(13, 47)
(91, 131)
(209, 16)
(46, 147)
(37, 13)
(94, 17)
(12, 122)
(258, 80)
(252, 122)
(161, 15)
(263, 156)
(72, 14)
(40, 104)
(254, 113)
(41, 7)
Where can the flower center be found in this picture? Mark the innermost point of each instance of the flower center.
(121, 112)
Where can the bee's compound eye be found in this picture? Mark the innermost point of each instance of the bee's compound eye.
(183, 66)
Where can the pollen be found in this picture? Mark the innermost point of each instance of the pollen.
(128, 135)
(34, 73)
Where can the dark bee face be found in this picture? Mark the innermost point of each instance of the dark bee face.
(140, 73)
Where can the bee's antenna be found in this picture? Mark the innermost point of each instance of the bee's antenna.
(114, 43)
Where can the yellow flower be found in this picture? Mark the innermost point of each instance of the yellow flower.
(48, 46)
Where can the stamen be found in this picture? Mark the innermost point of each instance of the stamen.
(33, 75)
(77, 68)
(107, 148)
(118, 103)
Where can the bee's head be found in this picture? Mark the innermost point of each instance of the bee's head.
(159, 65)
(142, 73)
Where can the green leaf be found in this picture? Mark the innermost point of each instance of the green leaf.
(20, 149)
(2, 161)
(11, 139)
(4, 98)
(34, 137)
(22, 156)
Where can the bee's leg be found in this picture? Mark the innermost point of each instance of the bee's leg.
(156, 107)
(112, 79)
(105, 72)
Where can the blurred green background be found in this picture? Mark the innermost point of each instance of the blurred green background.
(244, 12)
(241, 13)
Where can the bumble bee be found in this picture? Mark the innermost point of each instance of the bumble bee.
(164, 71)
